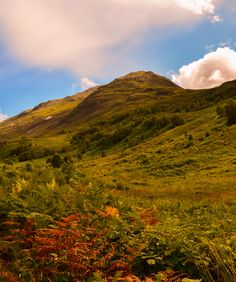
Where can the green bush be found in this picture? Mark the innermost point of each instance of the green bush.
(227, 111)
(56, 161)
(230, 112)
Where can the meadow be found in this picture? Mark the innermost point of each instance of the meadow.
(142, 194)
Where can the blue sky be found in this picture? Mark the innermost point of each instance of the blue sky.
(51, 49)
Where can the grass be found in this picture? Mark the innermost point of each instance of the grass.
(186, 225)
(157, 204)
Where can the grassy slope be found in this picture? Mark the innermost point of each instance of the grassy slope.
(189, 188)
(43, 118)
(185, 175)
(130, 100)
(168, 159)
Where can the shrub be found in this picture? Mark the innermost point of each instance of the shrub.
(56, 161)
(227, 111)
(230, 112)
(177, 120)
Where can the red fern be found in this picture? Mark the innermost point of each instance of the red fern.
(77, 246)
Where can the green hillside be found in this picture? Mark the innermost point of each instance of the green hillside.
(130, 181)
(42, 118)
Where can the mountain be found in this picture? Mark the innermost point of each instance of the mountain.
(124, 94)
(127, 91)
(146, 77)
(128, 101)
(141, 167)
(42, 118)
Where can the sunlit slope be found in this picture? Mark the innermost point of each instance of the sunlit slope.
(198, 155)
(43, 118)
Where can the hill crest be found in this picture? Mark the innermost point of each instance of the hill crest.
(147, 77)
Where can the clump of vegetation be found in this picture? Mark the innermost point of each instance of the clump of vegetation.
(59, 230)
(26, 151)
(55, 161)
(228, 111)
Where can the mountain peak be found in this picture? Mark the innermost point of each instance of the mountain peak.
(138, 74)
(147, 77)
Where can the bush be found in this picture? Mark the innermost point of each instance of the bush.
(227, 111)
(177, 120)
(230, 112)
(56, 161)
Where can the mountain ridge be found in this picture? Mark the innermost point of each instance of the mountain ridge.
(129, 93)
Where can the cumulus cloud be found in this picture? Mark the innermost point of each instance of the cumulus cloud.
(85, 36)
(3, 117)
(210, 71)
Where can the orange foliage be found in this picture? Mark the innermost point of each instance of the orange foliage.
(8, 277)
(76, 246)
(109, 212)
(130, 278)
(10, 223)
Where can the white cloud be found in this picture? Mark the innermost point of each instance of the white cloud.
(216, 19)
(88, 37)
(210, 71)
(198, 6)
(87, 83)
(3, 117)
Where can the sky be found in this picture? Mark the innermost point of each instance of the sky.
(55, 48)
